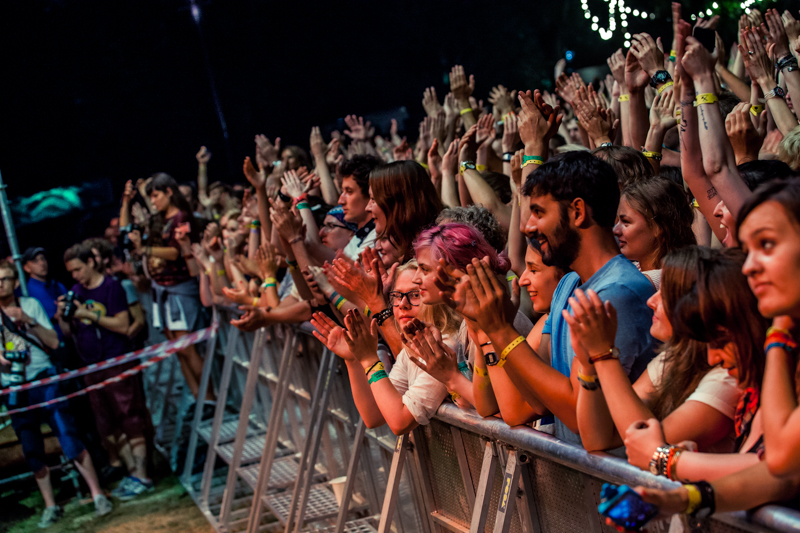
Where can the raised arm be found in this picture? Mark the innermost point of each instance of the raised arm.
(318, 149)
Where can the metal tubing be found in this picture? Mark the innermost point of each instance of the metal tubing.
(11, 235)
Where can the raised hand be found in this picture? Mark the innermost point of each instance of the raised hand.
(647, 53)
(317, 143)
(707, 23)
(756, 60)
(294, 187)
(203, 156)
(240, 295)
(617, 65)
(502, 99)
(459, 86)
(432, 355)
(450, 158)
(320, 280)
(266, 150)
(435, 163)
(361, 337)
(256, 179)
(289, 225)
(357, 128)
(516, 169)
(451, 111)
(320, 297)
(370, 256)
(662, 112)
(247, 266)
(777, 33)
(430, 102)
(425, 133)
(469, 143)
(565, 88)
(636, 78)
(745, 138)
(129, 193)
(363, 279)
(402, 152)
(510, 133)
(496, 309)
(333, 156)
(331, 336)
(538, 122)
(792, 27)
(437, 126)
(696, 59)
(597, 122)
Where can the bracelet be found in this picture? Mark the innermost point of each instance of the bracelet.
(465, 111)
(384, 315)
(377, 376)
(292, 264)
(673, 55)
(268, 285)
(624, 97)
(480, 372)
(658, 463)
(255, 302)
(294, 241)
(255, 230)
(480, 168)
(606, 145)
(708, 502)
(221, 272)
(664, 87)
(367, 312)
(612, 353)
(302, 205)
(454, 396)
(466, 165)
(378, 365)
(423, 165)
(705, 98)
(756, 110)
(268, 282)
(340, 303)
(507, 156)
(531, 160)
(301, 198)
(590, 383)
(694, 498)
(504, 354)
(652, 155)
(255, 223)
(672, 462)
(188, 256)
(486, 343)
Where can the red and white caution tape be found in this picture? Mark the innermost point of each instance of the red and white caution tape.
(160, 351)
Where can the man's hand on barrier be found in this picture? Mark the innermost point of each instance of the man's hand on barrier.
(361, 337)
(432, 355)
(331, 336)
(252, 319)
(642, 439)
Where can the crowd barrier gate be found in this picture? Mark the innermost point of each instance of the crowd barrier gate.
(297, 430)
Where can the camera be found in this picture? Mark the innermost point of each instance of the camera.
(16, 376)
(69, 308)
(124, 236)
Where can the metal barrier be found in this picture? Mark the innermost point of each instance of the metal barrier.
(297, 439)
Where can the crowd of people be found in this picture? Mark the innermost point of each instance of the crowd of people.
(615, 264)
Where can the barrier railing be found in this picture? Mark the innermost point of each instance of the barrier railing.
(297, 457)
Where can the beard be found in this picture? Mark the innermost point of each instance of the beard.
(562, 247)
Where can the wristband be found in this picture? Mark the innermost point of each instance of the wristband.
(504, 354)
(255, 230)
(423, 165)
(465, 111)
(530, 162)
(377, 376)
(454, 396)
(672, 462)
(480, 372)
(664, 87)
(255, 224)
(301, 198)
(705, 98)
(612, 353)
(296, 240)
(339, 303)
(466, 165)
(375, 366)
(652, 155)
(255, 302)
(673, 55)
(302, 205)
(480, 168)
(507, 156)
(292, 264)
(221, 272)
(678, 113)
(694, 498)
(269, 281)
(590, 383)
(367, 312)
(755, 110)
(624, 98)
(384, 315)
(188, 256)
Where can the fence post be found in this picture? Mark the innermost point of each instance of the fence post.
(480, 511)
(508, 491)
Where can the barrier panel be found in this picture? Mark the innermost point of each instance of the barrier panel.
(295, 456)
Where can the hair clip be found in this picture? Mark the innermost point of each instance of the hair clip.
(474, 244)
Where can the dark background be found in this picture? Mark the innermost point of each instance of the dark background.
(109, 90)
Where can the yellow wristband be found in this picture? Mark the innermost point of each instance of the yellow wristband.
(756, 110)
(695, 498)
(481, 372)
(705, 98)
(504, 354)
(480, 168)
(467, 110)
(587, 379)
(423, 165)
(454, 396)
(374, 368)
(255, 302)
(678, 113)
(531, 162)
(695, 204)
(221, 272)
(664, 87)
(270, 280)
(624, 97)
(652, 155)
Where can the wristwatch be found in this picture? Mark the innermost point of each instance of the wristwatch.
(507, 156)
(466, 165)
(777, 92)
(491, 358)
(662, 76)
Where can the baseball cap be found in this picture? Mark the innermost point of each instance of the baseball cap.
(31, 253)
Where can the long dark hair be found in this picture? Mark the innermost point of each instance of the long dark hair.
(164, 182)
(665, 207)
(404, 191)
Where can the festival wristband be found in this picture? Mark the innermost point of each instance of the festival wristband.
(480, 372)
(367, 312)
(652, 155)
(339, 303)
(504, 354)
(255, 230)
(694, 498)
(624, 98)
(673, 55)
(705, 98)
(221, 272)
(302, 205)
(255, 302)
(423, 165)
(480, 168)
(755, 110)
(664, 87)
(454, 396)
(375, 366)
(377, 376)
(301, 198)
(269, 281)
(467, 110)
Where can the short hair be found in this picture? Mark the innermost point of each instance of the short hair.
(79, 251)
(578, 175)
(789, 149)
(629, 164)
(359, 168)
(8, 265)
(754, 173)
(727, 101)
(673, 174)
(479, 218)
(102, 245)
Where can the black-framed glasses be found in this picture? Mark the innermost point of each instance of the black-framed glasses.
(330, 226)
(396, 298)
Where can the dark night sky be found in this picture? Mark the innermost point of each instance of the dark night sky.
(118, 90)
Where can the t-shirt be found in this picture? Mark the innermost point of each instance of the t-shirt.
(131, 295)
(39, 360)
(422, 393)
(621, 283)
(361, 240)
(96, 343)
(166, 272)
(47, 292)
(717, 388)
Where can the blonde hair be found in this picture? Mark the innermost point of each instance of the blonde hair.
(789, 149)
(446, 320)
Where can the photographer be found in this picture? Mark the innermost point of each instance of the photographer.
(98, 321)
(25, 327)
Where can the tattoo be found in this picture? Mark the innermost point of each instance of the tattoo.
(687, 103)
(711, 193)
(703, 117)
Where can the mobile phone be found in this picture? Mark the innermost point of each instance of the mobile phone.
(707, 37)
(625, 507)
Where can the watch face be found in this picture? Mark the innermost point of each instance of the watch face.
(491, 358)
(780, 92)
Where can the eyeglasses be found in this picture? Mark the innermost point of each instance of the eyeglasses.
(10, 279)
(331, 226)
(396, 298)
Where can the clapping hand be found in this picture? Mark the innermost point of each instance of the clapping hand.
(361, 337)
(331, 336)
(267, 151)
(593, 324)
(429, 352)
(256, 179)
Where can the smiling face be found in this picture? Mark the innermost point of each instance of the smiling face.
(389, 254)
(726, 222)
(637, 240)
(424, 277)
(772, 242)
(661, 328)
(333, 234)
(548, 229)
(377, 214)
(404, 312)
(540, 280)
(725, 355)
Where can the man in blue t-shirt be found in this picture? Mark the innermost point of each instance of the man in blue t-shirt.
(573, 205)
(34, 263)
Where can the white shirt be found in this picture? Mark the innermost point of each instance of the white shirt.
(39, 359)
(358, 244)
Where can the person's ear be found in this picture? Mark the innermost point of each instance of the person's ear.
(16, 283)
(579, 216)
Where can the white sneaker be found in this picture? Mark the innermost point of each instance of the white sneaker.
(102, 505)
(50, 516)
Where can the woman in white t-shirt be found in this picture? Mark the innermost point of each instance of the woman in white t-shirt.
(713, 333)
(410, 396)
